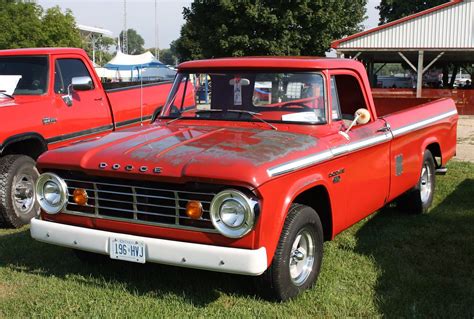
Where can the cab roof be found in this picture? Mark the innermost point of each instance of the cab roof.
(272, 62)
(42, 51)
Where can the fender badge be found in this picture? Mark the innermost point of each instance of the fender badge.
(157, 170)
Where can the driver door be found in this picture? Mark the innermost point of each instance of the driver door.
(89, 113)
(367, 150)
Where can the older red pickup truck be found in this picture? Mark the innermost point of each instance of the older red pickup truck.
(55, 99)
(247, 185)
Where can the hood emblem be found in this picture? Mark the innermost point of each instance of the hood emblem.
(130, 168)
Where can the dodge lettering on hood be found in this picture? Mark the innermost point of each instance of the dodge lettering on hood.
(273, 157)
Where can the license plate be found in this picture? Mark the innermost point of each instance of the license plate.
(129, 250)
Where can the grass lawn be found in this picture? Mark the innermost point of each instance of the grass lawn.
(390, 264)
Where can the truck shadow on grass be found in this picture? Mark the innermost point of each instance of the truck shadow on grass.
(197, 287)
(425, 261)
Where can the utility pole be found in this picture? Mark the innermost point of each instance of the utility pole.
(157, 42)
(125, 33)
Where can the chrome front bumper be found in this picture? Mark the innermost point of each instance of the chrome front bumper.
(208, 257)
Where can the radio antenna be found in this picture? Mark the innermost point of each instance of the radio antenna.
(141, 97)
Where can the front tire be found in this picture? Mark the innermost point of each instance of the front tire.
(297, 260)
(18, 176)
(419, 199)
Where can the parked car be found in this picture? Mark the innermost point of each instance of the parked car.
(241, 188)
(52, 97)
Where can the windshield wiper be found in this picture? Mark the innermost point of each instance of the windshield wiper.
(189, 110)
(255, 115)
(6, 94)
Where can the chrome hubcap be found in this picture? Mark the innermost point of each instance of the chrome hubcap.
(23, 193)
(301, 257)
(425, 183)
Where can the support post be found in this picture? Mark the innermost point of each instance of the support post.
(419, 82)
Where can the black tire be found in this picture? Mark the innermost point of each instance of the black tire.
(90, 258)
(18, 176)
(419, 199)
(278, 282)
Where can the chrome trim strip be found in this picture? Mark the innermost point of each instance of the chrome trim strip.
(300, 163)
(327, 155)
(415, 126)
(351, 147)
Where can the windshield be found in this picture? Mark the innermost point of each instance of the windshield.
(26, 75)
(248, 96)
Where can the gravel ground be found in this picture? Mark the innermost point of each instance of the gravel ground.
(465, 149)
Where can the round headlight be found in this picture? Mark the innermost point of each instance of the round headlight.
(51, 193)
(232, 213)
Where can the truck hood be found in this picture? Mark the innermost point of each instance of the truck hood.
(186, 153)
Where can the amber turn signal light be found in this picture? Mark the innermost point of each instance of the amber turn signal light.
(194, 209)
(80, 196)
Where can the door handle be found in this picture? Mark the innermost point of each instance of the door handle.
(385, 128)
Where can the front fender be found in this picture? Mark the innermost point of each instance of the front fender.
(278, 195)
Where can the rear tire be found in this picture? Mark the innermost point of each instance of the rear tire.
(297, 260)
(18, 176)
(419, 199)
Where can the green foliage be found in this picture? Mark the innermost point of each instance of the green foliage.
(26, 25)
(166, 56)
(237, 28)
(103, 45)
(135, 42)
(391, 10)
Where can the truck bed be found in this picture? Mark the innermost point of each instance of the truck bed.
(389, 105)
(150, 96)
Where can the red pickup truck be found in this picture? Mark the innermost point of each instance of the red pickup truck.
(244, 185)
(56, 99)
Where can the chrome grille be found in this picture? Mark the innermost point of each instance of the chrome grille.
(125, 200)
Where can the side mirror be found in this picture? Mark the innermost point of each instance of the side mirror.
(361, 116)
(82, 83)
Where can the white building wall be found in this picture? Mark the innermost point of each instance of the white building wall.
(451, 27)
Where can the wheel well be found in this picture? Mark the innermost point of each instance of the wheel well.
(31, 146)
(318, 199)
(436, 151)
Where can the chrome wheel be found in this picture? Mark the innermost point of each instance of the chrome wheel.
(426, 185)
(23, 193)
(302, 257)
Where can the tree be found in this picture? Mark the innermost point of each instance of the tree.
(135, 42)
(26, 25)
(391, 10)
(59, 30)
(265, 27)
(167, 57)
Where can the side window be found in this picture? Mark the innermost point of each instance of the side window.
(65, 70)
(349, 95)
(336, 107)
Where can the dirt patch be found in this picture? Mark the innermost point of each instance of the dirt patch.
(6, 291)
(465, 146)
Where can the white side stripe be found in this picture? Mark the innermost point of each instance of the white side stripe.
(351, 147)
(422, 124)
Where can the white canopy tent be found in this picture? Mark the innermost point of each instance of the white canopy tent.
(126, 66)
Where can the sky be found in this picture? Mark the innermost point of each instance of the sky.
(108, 14)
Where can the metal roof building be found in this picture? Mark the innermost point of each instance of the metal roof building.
(437, 36)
